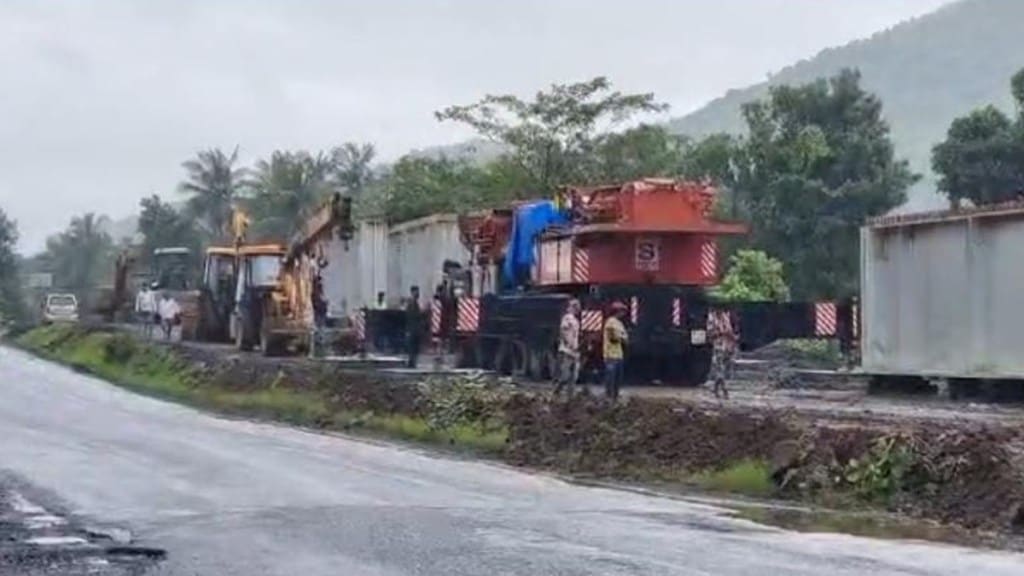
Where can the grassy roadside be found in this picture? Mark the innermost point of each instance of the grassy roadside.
(156, 371)
(948, 475)
(450, 421)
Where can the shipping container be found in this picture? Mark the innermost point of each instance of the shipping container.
(942, 294)
(356, 269)
(417, 250)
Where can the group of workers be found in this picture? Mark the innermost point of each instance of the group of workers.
(615, 340)
(151, 310)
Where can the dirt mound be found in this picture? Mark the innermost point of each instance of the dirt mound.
(968, 476)
(641, 434)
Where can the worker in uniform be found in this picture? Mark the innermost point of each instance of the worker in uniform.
(569, 348)
(382, 302)
(724, 342)
(413, 328)
(615, 340)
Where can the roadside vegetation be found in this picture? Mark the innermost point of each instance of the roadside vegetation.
(962, 475)
(460, 415)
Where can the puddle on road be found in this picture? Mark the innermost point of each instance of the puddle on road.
(871, 525)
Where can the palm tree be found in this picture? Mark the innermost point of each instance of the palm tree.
(81, 254)
(213, 183)
(286, 189)
(353, 170)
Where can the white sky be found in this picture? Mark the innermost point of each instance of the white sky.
(101, 101)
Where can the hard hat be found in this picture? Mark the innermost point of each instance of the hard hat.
(618, 306)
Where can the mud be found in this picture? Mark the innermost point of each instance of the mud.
(972, 476)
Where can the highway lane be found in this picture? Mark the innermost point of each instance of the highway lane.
(235, 497)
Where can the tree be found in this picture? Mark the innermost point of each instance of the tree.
(753, 276)
(553, 138)
(162, 226)
(353, 168)
(213, 182)
(12, 300)
(982, 157)
(817, 162)
(286, 189)
(80, 256)
(715, 158)
(418, 186)
(644, 151)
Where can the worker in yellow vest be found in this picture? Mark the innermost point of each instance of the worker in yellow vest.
(615, 340)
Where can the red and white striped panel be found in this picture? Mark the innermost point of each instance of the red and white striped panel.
(634, 309)
(468, 316)
(580, 266)
(359, 324)
(435, 317)
(855, 318)
(677, 312)
(709, 259)
(591, 321)
(719, 321)
(825, 319)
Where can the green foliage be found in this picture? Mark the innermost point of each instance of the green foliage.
(817, 162)
(748, 477)
(452, 402)
(982, 157)
(12, 300)
(753, 276)
(928, 71)
(156, 371)
(553, 137)
(81, 257)
(420, 186)
(642, 152)
(353, 167)
(212, 183)
(813, 352)
(162, 226)
(285, 190)
(884, 471)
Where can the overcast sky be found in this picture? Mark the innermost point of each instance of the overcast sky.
(100, 101)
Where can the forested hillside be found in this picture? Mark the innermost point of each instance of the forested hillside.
(926, 71)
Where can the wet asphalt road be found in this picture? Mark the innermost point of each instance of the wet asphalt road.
(233, 497)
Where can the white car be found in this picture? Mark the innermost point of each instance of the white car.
(60, 308)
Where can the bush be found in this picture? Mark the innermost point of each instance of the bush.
(119, 349)
(750, 477)
(449, 403)
(753, 276)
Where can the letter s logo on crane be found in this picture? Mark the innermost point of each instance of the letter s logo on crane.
(648, 254)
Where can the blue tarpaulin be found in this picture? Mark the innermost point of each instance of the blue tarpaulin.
(529, 221)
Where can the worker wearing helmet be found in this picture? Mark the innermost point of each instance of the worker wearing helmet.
(615, 340)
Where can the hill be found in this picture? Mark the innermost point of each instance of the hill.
(927, 71)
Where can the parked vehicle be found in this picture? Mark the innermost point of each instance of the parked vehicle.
(58, 308)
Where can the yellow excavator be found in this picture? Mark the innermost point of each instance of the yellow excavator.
(261, 295)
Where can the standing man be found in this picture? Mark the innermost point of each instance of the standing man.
(145, 309)
(169, 314)
(615, 340)
(724, 341)
(569, 348)
(413, 329)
